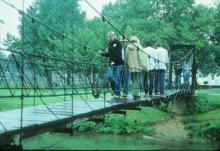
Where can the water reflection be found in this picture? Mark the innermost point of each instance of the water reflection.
(109, 142)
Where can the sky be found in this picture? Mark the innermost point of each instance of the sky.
(11, 17)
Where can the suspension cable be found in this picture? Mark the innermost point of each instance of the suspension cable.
(116, 29)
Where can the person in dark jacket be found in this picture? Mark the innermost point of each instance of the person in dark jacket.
(178, 71)
(115, 63)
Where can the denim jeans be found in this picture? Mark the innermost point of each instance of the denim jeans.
(151, 81)
(156, 80)
(110, 77)
(126, 76)
(117, 74)
(135, 78)
(145, 82)
(186, 82)
(161, 80)
(114, 75)
(178, 81)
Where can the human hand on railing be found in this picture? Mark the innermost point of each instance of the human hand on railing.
(100, 53)
(112, 63)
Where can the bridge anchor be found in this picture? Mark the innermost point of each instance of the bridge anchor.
(119, 112)
(9, 144)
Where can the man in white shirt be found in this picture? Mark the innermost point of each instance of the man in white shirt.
(162, 54)
(150, 77)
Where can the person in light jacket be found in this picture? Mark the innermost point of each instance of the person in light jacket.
(151, 77)
(134, 59)
(162, 54)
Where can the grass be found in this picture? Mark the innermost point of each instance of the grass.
(148, 115)
(213, 95)
(211, 116)
(206, 126)
(134, 122)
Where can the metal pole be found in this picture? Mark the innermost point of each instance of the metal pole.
(34, 43)
(1, 22)
(170, 70)
(72, 96)
(65, 78)
(22, 76)
(194, 71)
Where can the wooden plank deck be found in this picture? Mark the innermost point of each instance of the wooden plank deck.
(37, 116)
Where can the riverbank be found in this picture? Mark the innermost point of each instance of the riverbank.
(148, 129)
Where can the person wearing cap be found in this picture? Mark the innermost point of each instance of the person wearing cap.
(134, 60)
(186, 74)
(115, 62)
(163, 61)
(178, 71)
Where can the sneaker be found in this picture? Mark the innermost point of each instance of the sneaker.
(163, 96)
(136, 97)
(124, 96)
(145, 94)
(116, 97)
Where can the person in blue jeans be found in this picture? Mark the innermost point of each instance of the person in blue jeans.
(186, 75)
(163, 62)
(115, 63)
(178, 71)
(125, 71)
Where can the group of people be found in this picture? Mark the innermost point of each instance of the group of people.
(145, 66)
(182, 69)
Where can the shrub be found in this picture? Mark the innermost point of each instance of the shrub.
(200, 105)
(212, 131)
(84, 126)
(114, 125)
(205, 82)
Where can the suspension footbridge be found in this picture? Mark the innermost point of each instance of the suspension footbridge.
(62, 90)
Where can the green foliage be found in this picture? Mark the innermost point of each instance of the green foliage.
(163, 106)
(114, 125)
(204, 126)
(200, 105)
(84, 126)
(171, 22)
(148, 115)
(123, 125)
(207, 131)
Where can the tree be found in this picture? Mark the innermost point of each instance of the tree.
(169, 21)
(47, 21)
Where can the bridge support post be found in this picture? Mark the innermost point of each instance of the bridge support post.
(180, 105)
(133, 108)
(119, 112)
(194, 70)
(170, 71)
(8, 143)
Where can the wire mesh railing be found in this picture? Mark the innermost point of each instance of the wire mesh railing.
(31, 76)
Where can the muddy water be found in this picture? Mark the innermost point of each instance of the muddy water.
(172, 130)
(56, 141)
(169, 135)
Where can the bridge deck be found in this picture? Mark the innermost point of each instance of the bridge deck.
(39, 117)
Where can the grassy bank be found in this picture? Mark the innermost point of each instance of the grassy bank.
(205, 125)
(134, 122)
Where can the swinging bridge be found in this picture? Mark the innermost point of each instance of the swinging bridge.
(61, 90)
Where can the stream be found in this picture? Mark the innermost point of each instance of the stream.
(169, 135)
